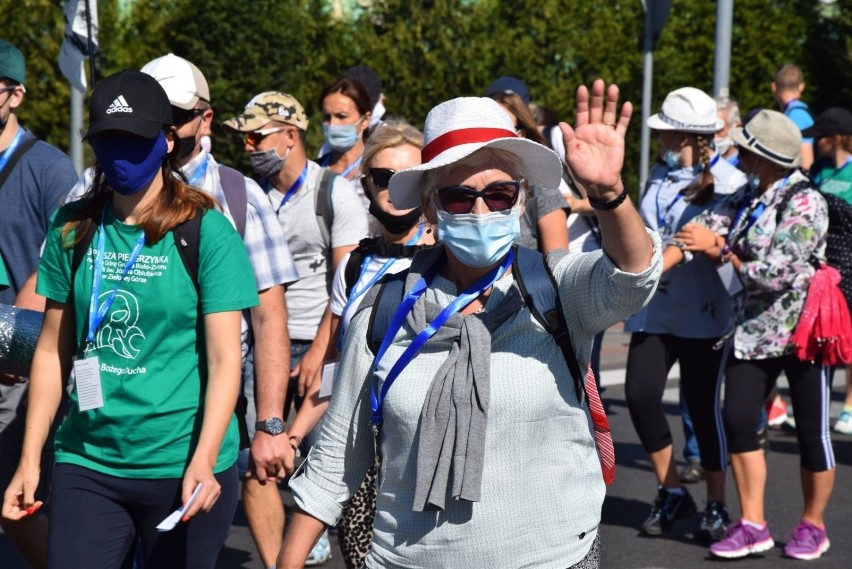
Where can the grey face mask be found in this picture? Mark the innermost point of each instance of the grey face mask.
(267, 163)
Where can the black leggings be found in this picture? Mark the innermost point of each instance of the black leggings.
(95, 518)
(649, 360)
(747, 384)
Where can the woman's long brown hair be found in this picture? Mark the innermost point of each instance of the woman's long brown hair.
(176, 203)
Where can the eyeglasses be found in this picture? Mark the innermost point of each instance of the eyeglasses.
(183, 116)
(254, 137)
(381, 177)
(498, 196)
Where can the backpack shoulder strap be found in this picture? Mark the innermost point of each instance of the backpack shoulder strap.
(323, 205)
(234, 187)
(13, 159)
(541, 295)
(390, 292)
(187, 237)
(352, 270)
(788, 195)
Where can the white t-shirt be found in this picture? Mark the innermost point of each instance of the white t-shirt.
(338, 288)
(307, 298)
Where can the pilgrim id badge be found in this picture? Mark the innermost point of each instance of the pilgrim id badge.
(730, 278)
(87, 376)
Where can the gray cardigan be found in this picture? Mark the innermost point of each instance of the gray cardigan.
(542, 489)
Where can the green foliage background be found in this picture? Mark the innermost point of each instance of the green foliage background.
(428, 51)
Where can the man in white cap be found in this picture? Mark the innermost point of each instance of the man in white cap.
(267, 356)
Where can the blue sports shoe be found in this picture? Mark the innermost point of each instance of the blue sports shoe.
(320, 553)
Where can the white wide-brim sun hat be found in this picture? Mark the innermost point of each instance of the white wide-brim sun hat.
(456, 129)
(687, 110)
(773, 136)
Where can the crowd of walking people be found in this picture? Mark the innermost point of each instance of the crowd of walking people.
(355, 324)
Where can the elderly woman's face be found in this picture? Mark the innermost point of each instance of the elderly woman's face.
(395, 158)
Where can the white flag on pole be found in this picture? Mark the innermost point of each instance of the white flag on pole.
(76, 45)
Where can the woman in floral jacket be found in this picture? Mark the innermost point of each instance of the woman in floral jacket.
(765, 236)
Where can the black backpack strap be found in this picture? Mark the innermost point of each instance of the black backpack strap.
(541, 295)
(13, 159)
(234, 187)
(352, 270)
(388, 296)
(323, 206)
(187, 236)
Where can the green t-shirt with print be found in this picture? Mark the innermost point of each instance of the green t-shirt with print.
(834, 181)
(150, 345)
(4, 278)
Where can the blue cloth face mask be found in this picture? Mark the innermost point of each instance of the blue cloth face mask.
(479, 240)
(340, 137)
(130, 162)
(671, 158)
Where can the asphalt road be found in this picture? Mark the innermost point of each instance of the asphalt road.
(629, 498)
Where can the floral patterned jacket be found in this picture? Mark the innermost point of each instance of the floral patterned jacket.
(775, 271)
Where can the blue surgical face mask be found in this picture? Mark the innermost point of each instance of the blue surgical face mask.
(479, 240)
(340, 137)
(671, 158)
(130, 162)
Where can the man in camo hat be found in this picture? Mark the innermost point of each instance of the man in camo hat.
(323, 219)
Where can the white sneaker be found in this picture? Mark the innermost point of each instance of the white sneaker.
(320, 553)
(844, 423)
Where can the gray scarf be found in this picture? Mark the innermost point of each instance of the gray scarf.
(454, 417)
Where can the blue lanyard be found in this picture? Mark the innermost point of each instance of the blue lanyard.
(200, 172)
(351, 167)
(11, 150)
(662, 226)
(357, 294)
(97, 315)
(294, 188)
(408, 301)
(752, 218)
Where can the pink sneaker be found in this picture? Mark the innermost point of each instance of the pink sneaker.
(806, 541)
(741, 540)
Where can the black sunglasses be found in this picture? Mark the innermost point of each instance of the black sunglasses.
(381, 177)
(183, 116)
(498, 196)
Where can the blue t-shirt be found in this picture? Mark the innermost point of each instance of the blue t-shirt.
(797, 111)
(35, 188)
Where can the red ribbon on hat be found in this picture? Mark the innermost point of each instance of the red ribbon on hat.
(463, 136)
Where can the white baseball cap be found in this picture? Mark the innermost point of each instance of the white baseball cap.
(687, 110)
(182, 80)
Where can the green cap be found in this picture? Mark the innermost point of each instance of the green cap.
(12, 63)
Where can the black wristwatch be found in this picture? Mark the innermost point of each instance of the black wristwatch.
(273, 426)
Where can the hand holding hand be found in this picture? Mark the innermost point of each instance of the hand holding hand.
(271, 457)
(696, 238)
(594, 147)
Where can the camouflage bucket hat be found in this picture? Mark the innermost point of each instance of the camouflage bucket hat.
(269, 106)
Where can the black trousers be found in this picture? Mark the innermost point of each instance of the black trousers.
(649, 360)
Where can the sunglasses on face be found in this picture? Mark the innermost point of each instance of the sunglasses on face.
(183, 116)
(498, 196)
(381, 177)
(254, 137)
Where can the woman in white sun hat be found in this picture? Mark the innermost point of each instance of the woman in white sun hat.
(769, 234)
(687, 315)
(487, 452)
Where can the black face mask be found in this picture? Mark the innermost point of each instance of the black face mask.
(186, 146)
(395, 224)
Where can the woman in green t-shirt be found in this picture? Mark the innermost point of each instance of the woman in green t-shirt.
(153, 331)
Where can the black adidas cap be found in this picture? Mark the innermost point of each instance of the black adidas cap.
(131, 101)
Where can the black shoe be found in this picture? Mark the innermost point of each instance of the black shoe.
(667, 507)
(693, 472)
(714, 523)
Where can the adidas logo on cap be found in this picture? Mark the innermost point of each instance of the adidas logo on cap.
(119, 105)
